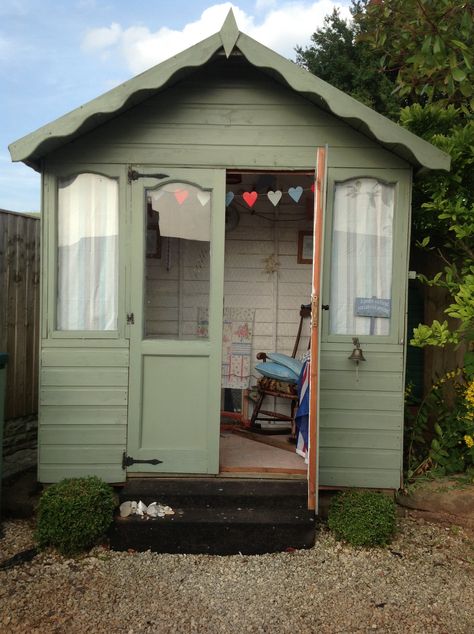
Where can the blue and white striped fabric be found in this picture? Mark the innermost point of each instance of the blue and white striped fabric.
(302, 414)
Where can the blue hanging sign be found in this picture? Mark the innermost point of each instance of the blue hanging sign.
(373, 307)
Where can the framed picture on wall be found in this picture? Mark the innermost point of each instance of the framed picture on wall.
(305, 247)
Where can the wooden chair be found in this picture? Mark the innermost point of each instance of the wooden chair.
(278, 389)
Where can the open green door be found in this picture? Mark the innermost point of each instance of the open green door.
(176, 336)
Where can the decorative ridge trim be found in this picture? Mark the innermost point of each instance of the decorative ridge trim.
(344, 106)
(354, 113)
(229, 33)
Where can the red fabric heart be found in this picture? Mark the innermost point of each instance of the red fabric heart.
(250, 198)
(312, 187)
(181, 195)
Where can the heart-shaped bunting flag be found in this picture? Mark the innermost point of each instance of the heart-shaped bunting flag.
(274, 197)
(229, 197)
(295, 193)
(250, 198)
(204, 198)
(181, 195)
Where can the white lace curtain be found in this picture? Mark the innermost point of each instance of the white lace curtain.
(87, 279)
(361, 256)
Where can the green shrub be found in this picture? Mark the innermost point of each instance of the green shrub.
(74, 513)
(362, 518)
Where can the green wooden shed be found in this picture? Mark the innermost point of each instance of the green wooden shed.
(177, 243)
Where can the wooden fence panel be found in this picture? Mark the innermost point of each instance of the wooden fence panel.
(19, 310)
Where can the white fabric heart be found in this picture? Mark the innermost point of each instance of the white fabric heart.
(274, 197)
(204, 198)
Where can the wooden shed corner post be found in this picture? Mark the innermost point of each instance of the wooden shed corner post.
(313, 448)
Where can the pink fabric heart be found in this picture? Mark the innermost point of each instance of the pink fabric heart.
(181, 195)
(250, 198)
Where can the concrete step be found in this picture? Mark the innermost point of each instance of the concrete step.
(219, 517)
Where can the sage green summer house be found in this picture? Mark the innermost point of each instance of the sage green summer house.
(132, 299)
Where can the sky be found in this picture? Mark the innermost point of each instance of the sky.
(56, 55)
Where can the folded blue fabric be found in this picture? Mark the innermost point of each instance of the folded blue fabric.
(289, 362)
(277, 371)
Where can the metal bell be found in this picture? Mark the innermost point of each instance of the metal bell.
(357, 354)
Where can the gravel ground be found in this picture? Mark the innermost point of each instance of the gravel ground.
(423, 582)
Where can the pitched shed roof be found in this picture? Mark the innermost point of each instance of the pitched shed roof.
(31, 148)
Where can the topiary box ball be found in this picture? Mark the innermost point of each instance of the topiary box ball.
(74, 513)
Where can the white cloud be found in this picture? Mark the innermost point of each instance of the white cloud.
(261, 5)
(99, 39)
(282, 28)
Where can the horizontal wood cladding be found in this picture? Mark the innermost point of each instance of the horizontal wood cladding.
(83, 434)
(360, 477)
(227, 120)
(83, 416)
(357, 457)
(85, 376)
(361, 400)
(361, 438)
(355, 420)
(84, 357)
(55, 472)
(78, 395)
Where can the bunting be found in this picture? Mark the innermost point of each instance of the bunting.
(248, 197)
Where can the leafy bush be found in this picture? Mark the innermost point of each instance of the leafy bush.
(74, 513)
(362, 518)
(440, 435)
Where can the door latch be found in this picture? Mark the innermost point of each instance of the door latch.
(130, 319)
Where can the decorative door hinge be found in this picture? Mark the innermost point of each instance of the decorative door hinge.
(130, 319)
(127, 461)
(133, 175)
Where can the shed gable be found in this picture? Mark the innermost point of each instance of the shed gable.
(227, 113)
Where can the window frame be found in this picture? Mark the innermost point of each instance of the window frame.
(401, 180)
(53, 174)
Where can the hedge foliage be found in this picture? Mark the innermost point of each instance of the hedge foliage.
(362, 518)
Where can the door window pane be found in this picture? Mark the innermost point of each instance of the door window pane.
(178, 221)
(361, 257)
(87, 253)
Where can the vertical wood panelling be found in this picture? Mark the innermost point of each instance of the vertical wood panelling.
(19, 310)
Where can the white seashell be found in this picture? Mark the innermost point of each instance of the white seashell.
(168, 510)
(125, 509)
(141, 508)
(134, 507)
(152, 510)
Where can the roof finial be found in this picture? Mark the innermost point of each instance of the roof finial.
(229, 33)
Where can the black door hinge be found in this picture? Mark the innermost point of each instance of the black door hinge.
(130, 319)
(133, 175)
(127, 461)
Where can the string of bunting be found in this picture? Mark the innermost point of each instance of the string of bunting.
(250, 198)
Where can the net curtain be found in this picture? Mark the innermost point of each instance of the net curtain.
(362, 251)
(87, 275)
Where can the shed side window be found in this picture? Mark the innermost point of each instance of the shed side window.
(87, 253)
(361, 257)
